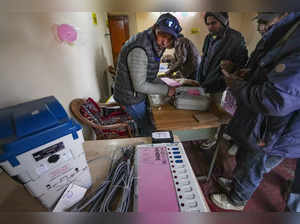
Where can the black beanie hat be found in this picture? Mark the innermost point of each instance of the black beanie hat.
(222, 17)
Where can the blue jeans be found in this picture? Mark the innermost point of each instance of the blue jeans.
(251, 165)
(139, 113)
(293, 202)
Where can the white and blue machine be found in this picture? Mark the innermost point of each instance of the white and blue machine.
(41, 147)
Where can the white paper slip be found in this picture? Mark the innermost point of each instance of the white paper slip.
(70, 197)
(160, 135)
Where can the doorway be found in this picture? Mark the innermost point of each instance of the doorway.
(119, 33)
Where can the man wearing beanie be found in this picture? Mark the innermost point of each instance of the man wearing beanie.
(222, 43)
(262, 19)
(137, 69)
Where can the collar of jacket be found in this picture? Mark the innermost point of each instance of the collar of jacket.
(157, 50)
(220, 35)
(272, 37)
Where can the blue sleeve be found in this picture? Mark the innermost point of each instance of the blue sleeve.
(279, 95)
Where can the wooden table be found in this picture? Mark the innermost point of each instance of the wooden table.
(14, 197)
(167, 117)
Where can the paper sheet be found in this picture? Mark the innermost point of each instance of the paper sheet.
(70, 197)
(170, 82)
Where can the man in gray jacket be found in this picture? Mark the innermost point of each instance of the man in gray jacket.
(137, 69)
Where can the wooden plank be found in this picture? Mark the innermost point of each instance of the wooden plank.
(205, 117)
(167, 117)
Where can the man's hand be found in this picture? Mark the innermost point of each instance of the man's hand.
(168, 73)
(187, 82)
(171, 91)
(232, 74)
(229, 67)
(233, 78)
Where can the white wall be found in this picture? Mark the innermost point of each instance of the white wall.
(33, 64)
(249, 30)
(240, 21)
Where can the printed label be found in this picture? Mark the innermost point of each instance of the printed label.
(60, 171)
(156, 156)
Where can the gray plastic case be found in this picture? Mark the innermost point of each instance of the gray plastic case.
(186, 101)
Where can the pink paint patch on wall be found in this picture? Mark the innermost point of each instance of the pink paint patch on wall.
(66, 33)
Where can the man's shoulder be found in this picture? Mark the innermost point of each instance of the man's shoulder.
(137, 40)
(235, 34)
(183, 41)
(137, 36)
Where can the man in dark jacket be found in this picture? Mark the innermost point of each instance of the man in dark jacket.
(222, 43)
(137, 69)
(187, 58)
(262, 20)
(266, 124)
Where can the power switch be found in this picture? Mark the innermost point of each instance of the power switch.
(53, 158)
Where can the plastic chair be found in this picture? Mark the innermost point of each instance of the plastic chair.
(112, 131)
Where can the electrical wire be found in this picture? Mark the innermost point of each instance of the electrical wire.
(120, 179)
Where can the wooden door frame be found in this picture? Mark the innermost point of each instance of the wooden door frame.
(120, 17)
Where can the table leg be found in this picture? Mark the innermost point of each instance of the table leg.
(217, 148)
